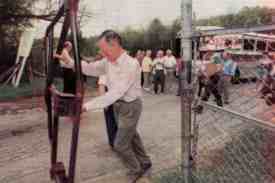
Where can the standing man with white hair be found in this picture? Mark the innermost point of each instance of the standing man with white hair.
(170, 66)
(146, 69)
(159, 72)
(124, 91)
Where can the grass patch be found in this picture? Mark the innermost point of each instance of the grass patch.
(36, 88)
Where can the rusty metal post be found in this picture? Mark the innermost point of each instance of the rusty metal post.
(186, 89)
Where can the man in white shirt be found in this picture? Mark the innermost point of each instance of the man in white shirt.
(170, 66)
(124, 91)
(159, 72)
(139, 58)
(146, 69)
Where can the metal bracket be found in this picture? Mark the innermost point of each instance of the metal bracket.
(188, 91)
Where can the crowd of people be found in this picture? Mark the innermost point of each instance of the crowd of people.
(216, 76)
(159, 73)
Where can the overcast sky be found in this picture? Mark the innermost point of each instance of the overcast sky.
(118, 14)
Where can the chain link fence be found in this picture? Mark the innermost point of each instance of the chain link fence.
(234, 143)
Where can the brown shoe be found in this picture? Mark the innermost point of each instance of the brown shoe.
(135, 177)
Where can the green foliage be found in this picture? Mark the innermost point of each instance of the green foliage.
(12, 20)
(8, 92)
(248, 16)
(155, 36)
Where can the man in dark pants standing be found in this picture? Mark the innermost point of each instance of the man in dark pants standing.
(123, 81)
(109, 115)
(211, 86)
(159, 71)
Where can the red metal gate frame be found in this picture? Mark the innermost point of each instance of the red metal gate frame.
(61, 104)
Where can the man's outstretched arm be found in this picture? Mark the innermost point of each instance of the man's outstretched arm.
(91, 69)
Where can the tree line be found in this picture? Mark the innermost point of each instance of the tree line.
(159, 36)
(16, 14)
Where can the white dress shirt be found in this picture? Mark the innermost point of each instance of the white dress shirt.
(170, 62)
(159, 63)
(102, 80)
(122, 80)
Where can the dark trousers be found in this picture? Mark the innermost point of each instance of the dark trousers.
(212, 88)
(142, 79)
(159, 79)
(69, 81)
(267, 87)
(128, 143)
(111, 124)
(201, 85)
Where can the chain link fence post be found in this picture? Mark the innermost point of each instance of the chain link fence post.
(186, 89)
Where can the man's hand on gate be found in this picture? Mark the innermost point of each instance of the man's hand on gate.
(57, 56)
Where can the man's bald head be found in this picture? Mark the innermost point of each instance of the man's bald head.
(160, 53)
(168, 52)
(68, 45)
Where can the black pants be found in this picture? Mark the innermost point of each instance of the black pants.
(212, 88)
(159, 79)
(111, 124)
(69, 81)
(142, 79)
(201, 85)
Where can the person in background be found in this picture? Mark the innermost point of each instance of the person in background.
(69, 77)
(202, 79)
(210, 75)
(143, 54)
(170, 67)
(179, 69)
(229, 69)
(139, 58)
(261, 74)
(268, 85)
(146, 69)
(159, 72)
(109, 115)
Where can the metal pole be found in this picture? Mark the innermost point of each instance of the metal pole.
(186, 88)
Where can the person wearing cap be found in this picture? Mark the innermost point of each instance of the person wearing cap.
(124, 92)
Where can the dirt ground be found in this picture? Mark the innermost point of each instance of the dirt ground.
(25, 150)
